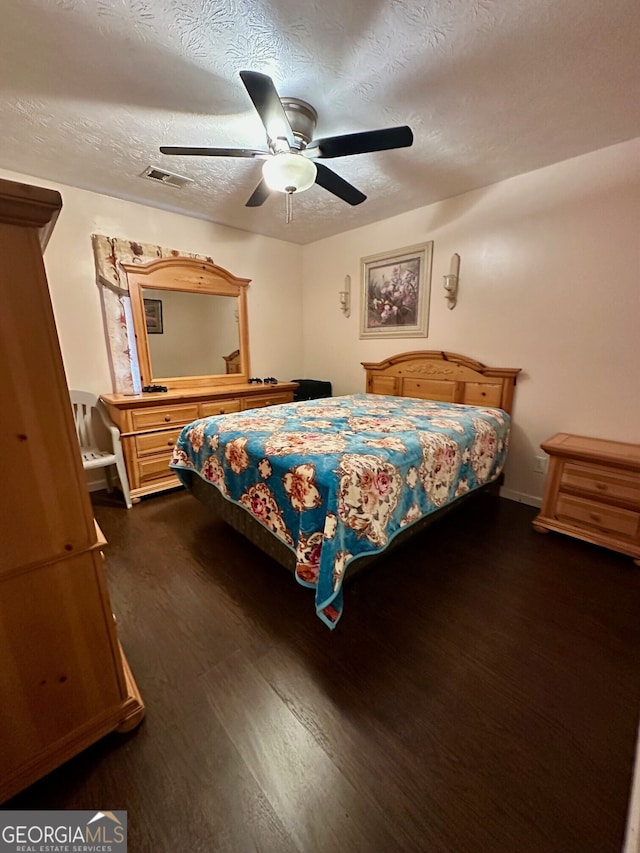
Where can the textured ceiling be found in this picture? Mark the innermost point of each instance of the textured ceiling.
(491, 88)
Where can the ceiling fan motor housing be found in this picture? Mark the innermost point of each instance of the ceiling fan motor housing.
(302, 117)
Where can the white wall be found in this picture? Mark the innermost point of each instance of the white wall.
(274, 295)
(549, 282)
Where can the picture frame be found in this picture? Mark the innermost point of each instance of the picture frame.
(396, 288)
(153, 316)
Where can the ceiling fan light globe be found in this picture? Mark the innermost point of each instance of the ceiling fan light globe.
(287, 173)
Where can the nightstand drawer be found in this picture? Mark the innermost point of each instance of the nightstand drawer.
(162, 416)
(605, 483)
(597, 516)
(592, 492)
(220, 407)
(156, 442)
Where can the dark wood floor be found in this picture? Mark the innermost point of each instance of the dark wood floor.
(480, 694)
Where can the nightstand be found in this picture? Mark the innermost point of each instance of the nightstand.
(592, 492)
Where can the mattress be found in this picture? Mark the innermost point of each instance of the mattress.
(339, 478)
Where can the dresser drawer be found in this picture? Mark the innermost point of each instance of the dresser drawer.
(156, 442)
(597, 481)
(219, 407)
(161, 416)
(597, 516)
(261, 400)
(155, 468)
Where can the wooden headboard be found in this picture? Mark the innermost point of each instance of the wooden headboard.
(445, 376)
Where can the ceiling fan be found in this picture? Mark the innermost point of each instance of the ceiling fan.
(290, 165)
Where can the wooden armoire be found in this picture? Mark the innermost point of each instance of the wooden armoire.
(64, 682)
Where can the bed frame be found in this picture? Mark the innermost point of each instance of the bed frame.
(244, 523)
(444, 376)
(427, 375)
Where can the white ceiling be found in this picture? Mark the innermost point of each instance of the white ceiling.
(491, 88)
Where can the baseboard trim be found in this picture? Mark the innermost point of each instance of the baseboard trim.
(96, 484)
(520, 497)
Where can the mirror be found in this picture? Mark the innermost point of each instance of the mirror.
(190, 323)
(189, 334)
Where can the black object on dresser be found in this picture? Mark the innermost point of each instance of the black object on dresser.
(311, 389)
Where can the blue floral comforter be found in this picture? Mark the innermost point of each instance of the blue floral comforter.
(338, 478)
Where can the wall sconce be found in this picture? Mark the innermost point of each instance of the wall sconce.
(345, 296)
(451, 282)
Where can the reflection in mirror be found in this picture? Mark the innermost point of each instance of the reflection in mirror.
(189, 334)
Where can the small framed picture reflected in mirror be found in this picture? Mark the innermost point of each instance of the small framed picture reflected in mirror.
(153, 316)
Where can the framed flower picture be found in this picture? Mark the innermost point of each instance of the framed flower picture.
(395, 293)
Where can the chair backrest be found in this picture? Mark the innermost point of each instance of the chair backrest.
(83, 405)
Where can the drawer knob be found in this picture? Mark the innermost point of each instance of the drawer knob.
(167, 418)
(170, 443)
(601, 486)
(594, 516)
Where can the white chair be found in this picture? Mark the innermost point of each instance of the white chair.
(84, 405)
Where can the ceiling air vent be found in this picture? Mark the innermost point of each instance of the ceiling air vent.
(161, 176)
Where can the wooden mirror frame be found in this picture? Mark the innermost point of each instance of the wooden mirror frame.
(191, 276)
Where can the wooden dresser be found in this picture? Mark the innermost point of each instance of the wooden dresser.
(151, 423)
(592, 492)
(63, 680)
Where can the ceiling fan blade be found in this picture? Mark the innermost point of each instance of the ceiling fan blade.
(361, 143)
(267, 102)
(259, 195)
(328, 179)
(213, 152)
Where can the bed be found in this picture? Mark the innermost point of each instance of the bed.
(326, 486)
